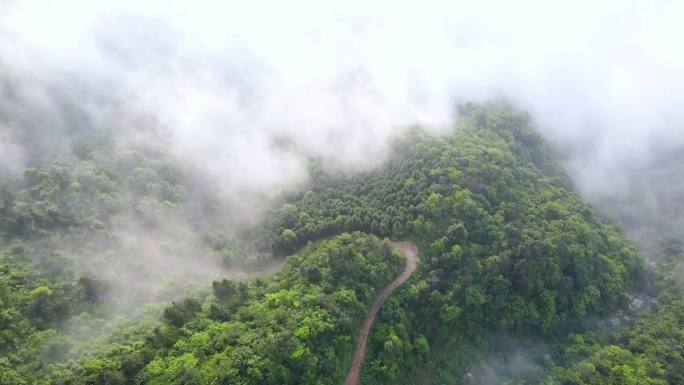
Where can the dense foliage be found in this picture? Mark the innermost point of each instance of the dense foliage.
(507, 243)
(507, 246)
(651, 352)
(295, 328)
(641, 346)
(89, 238)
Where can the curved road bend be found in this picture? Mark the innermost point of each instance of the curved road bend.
(410, 251)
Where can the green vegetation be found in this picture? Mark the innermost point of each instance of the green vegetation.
(88, 239)
(645, 348)
(649, 352)
(507, 247)
(292, 329)
(506, 243)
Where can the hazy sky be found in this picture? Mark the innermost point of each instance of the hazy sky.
(229, 79)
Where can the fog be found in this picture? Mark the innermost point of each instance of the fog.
(249, 92)
(242, 94)
(225, 80)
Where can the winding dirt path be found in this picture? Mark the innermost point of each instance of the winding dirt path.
(410, 251)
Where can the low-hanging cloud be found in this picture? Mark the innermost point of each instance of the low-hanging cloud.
(225, 84)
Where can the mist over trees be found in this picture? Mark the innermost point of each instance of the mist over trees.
(207, 192)
(507, 244)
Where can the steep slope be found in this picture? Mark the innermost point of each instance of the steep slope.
(87, 239)
(294, 328)
(507, 246)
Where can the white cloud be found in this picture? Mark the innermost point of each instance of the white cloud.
(228, 78)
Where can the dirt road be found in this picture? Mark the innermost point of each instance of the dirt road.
(411, 253)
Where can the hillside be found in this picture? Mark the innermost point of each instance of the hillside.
(507, 245)
(507, 248)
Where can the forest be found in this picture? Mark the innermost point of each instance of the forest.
(122, 265)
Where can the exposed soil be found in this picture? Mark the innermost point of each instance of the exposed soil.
(410, 251)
